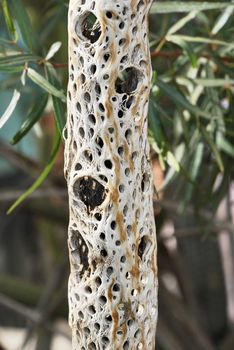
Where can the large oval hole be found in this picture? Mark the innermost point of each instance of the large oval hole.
(128, 80)
(91, 192)
(79, 252)
(88, 27)
(145, 182)
(144, 246)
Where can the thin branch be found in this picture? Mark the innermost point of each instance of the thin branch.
(60, 65)
(210, 223)
(49, 301)
(19, 308)
(30, 314)
(19, 160)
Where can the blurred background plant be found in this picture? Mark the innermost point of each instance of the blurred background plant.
(191, 132)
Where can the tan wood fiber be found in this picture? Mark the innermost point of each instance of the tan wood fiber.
(112, 239)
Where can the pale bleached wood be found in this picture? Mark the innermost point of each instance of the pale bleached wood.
(112, 239)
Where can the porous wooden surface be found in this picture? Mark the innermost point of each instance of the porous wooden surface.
(112, 241)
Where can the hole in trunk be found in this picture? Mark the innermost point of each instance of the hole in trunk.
(90, 192)
(79, 252)
(88, 27)
(145, 182)
(128, 80)
(144, 246)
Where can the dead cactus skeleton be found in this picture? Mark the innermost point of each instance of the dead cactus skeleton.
(112, 242)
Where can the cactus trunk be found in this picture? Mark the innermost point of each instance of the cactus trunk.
(111, 238)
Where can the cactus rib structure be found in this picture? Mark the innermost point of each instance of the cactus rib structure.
(111, 237)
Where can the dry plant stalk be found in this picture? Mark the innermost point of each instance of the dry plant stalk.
(112, 241)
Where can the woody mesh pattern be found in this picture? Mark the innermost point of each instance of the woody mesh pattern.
(112, 242)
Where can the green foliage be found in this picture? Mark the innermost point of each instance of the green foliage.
(31, 119)
(42, 176)
(59, 108)
(22, 59)
(191, 107)
(24, 24)
(45, 84)
(186, 6)
(9, 21)
(193, 55)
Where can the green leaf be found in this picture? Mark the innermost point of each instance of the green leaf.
(24, 24)
(225, 145)
(154, 124)
(195, 167)
(185, 46)
(45, 84)
(43, 175)
(53, 50)
(11, 69)
(172, 161)
(178, 155)
(178, 40)
(59, 107)
(197, 160)
(32, 118)
(198, 39)
(213, 148)
(168, 119)
(178, 98)
(9, 22)
(222, 19)
(14, 60)
(10, 109)
(182, 6)
(213, 82)
(182, 22)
